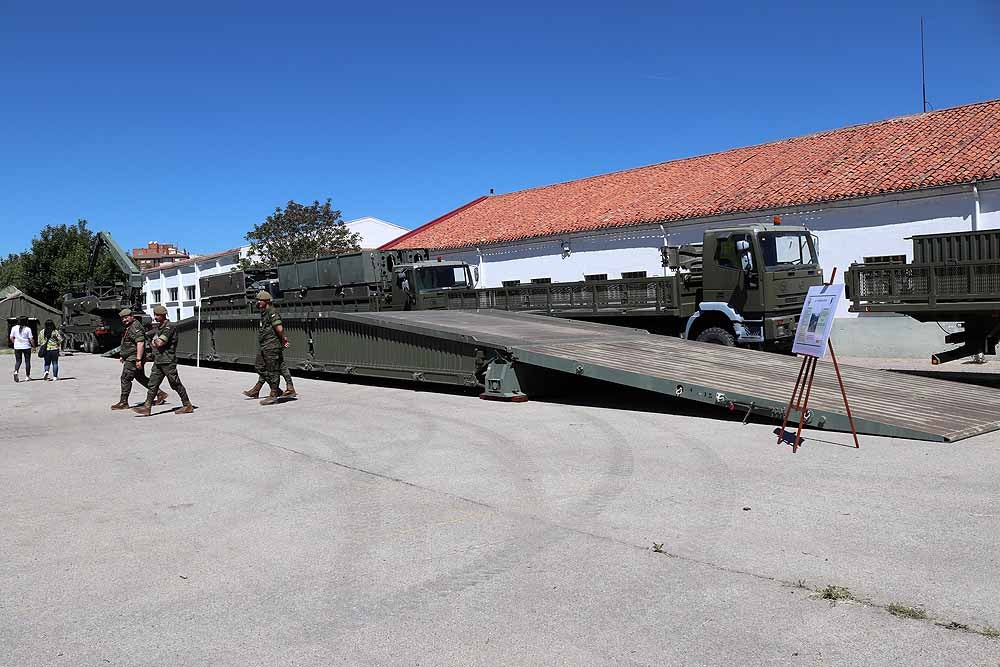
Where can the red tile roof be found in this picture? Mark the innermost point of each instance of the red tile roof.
(950, 146)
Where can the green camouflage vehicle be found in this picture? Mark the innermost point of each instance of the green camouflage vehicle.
(90, 312)
(741, 286)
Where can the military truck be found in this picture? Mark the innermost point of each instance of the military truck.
(90, 312)
(741, 285)
(367, 280)
(954, 277)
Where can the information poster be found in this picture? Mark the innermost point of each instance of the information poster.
(816, 321)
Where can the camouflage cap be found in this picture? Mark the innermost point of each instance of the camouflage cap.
(160, 310)
(263, 296)
(124, 312)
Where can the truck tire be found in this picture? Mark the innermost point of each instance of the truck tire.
(718, 336)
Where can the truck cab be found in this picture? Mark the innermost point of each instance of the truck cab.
(754, 281)
(431, 285)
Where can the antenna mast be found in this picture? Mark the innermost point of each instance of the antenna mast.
(923, 72)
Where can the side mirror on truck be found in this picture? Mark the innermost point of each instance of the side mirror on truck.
(671, 257)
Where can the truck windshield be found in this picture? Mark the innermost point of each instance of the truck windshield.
(443, 277)
(786, 248)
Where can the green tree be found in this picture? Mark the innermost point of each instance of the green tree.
(299, 232)
(59, 258)
(12, 271)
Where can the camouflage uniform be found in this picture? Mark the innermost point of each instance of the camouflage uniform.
(165, 364)
(270, 353)
(134, 335)
(286, 374)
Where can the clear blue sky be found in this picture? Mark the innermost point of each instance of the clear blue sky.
(191, 123)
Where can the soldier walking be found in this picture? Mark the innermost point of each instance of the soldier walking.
(271, 341)
(164, 365)
(131, 354)
(254, 391)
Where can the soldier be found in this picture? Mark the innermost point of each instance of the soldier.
(133, 347)
(164, 365)
(254, 391)
(271, 341)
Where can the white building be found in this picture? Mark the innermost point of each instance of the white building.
(863, 190)
(375, 232)
(176, 285)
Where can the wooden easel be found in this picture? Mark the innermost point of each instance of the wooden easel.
(803, 387)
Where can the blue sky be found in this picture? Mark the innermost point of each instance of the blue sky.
(189, 124)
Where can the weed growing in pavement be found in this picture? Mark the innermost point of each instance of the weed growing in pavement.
(906, 612)
(835, 593)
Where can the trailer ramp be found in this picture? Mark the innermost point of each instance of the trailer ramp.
(883, 403)
(517, 355)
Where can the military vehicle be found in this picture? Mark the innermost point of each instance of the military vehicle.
(90, 312)
(406, 316)
(741, 286)
(953, 278)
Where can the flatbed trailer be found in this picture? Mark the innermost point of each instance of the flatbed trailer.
(952, 278)
(514, 356)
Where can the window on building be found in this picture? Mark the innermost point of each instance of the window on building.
(173, 293)
(156, 296)
(144, 296)
(189, 290)
(178, 315)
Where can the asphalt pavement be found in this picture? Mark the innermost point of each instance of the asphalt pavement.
(373, 525)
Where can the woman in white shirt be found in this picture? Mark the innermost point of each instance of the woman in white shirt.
(23, 340)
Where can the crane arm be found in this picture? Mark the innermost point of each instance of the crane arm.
(122, 258)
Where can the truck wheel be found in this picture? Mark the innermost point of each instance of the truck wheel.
(718, 336)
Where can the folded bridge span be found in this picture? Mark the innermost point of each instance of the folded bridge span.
(515, 355)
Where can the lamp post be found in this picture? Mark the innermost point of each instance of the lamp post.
(197, 362)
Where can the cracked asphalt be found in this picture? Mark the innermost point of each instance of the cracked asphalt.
(372, 525)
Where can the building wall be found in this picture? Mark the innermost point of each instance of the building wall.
(847, 231)
(375, 232)
(182, 278)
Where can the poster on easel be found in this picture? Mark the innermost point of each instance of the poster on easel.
(816, 320)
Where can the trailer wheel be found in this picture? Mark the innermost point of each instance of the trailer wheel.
(718, 336)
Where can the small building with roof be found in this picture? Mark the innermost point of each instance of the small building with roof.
(14, 304)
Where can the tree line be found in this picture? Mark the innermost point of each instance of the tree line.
(59, 256)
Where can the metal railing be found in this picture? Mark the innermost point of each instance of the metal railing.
(655, 294)
(927, 283)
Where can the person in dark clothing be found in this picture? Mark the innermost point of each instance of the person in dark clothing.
(132, 355)
(164, 366)
(271, 344)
